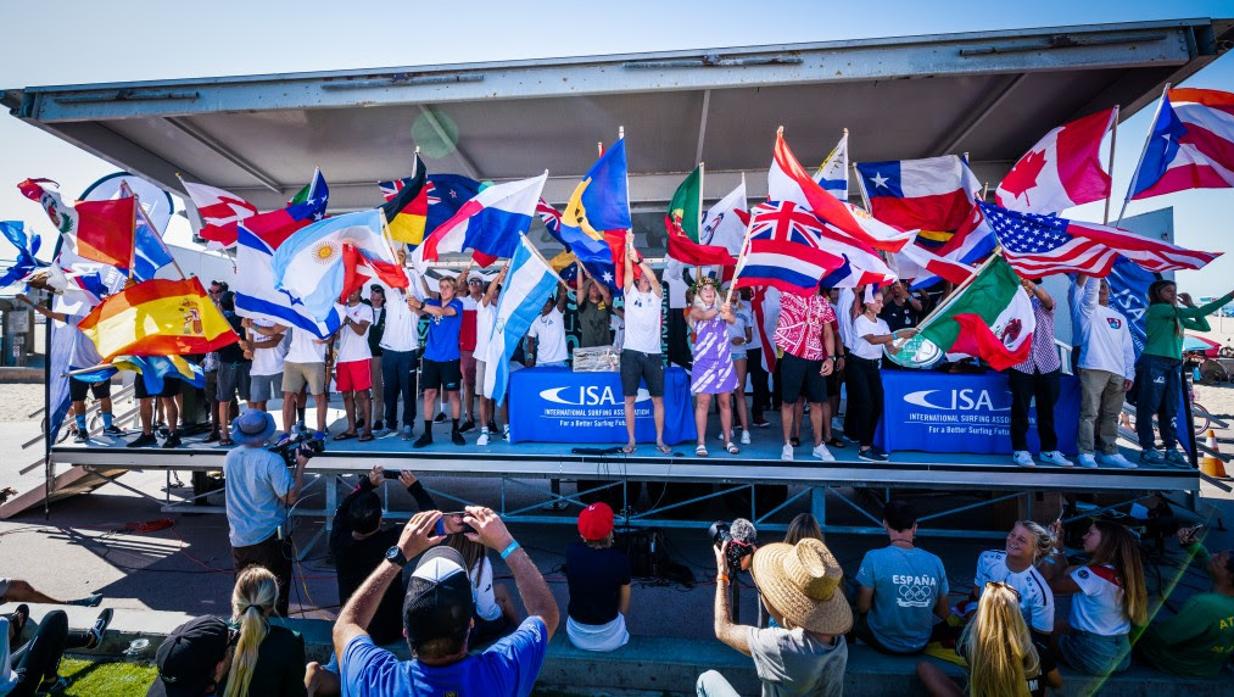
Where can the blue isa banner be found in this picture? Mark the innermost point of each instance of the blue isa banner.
(941, 413)
(556, 405)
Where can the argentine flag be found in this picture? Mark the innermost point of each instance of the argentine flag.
(529, 282)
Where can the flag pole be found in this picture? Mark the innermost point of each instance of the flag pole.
(1143, 152)
(698, 222)
(133, 237)
(745, 245)
(861, 186)
(956, 293)
(1105, 218)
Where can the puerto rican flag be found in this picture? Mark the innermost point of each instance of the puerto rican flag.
(1191, 145)
(935, 193)
(220, 211)
(490, 224)
(1062, 170)
(1041, 245)
(788, 181)
(784, 250)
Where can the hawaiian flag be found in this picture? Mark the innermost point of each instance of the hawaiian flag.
(219, 211)
(1191, 145)
(784, 250)
(1062, 170)
(1040, 245)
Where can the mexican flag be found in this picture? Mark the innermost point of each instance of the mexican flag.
(991, 317)
(685, 211)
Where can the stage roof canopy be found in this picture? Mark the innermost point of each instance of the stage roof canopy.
(990, 94)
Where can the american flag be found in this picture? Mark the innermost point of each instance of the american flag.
(784, 250)
(1040, 245)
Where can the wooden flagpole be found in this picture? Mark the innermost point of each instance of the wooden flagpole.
(861, 187)
(1143, 151)
(741, 256)
(698, 223)
(1105, 218)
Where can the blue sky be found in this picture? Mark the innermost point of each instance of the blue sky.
(81, 42)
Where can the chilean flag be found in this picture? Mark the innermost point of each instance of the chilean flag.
(1191, 145)
(490, 224)
(788, 181)
(1062, 170)
(935, 193)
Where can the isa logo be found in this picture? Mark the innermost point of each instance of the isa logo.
(588, 396)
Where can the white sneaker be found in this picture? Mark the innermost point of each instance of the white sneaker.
(745, 437)
(1087, 460)
(1117, 460)
(786, 453)
(483, 439)
(1023, 458)
(505, 432)
(1053, 457)
(821, 452)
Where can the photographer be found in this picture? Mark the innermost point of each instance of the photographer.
(800, 587)
(259, 488)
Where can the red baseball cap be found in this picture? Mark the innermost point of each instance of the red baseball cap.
(595, 522)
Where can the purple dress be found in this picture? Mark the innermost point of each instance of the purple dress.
(713, 358)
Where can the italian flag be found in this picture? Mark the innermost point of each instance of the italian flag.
(991, 317)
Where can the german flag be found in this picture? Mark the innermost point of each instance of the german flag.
(158, 317)
(407, 210)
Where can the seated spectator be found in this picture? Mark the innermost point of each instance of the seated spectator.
(269, 659)
(1199, 640)
(495, 611)
(193, 659)
(599, 581)
(902, 588)
(1015, 565)
(1108, 597)
(999, 649)
(805, 654)
(15, 590)
(438, 613)
(27, 667)
(802, 525)
(358, 544)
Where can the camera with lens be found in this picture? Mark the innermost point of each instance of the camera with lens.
(307, 444)
(741, 537)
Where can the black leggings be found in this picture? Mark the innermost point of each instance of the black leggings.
(865, 399)
(39, 659)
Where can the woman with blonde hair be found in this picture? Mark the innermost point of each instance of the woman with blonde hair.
(998, 647)
(712, 372)
(1108, 597)
(268, 659)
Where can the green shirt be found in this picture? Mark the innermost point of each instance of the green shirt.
(593, 324)
(1197, 641)
(1164, 325)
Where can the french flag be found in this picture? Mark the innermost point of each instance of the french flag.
(1191, 145)
(935, 193)
(490, 224)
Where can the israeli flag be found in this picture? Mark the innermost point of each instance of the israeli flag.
(529, 282)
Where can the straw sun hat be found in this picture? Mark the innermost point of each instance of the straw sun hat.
(802, 583)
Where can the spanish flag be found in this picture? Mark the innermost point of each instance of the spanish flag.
(158, 317)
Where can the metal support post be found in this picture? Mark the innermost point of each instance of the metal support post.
(818, 504)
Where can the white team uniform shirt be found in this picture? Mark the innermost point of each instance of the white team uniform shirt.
(1098, 607)
(1036, 598)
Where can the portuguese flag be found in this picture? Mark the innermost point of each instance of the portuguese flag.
(685, 211)
(991, 317)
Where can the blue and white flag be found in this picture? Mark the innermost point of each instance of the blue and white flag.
(832, 175)
(150, 253)
(529, 282)
(256, 296)
(309, 264)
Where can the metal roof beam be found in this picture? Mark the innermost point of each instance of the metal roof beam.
(1167, 43)
(469, 167)
(224, 152)
(974, 117)
(702, 126)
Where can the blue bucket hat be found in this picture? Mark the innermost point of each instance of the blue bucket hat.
(253, 427)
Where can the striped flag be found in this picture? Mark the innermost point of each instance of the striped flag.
(784, 250)
(832, 175)
(529, 282)
(1040, 245)
(1191, 145)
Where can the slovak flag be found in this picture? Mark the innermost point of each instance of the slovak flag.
(788, 181)
(1062, 170)
(935, 193)
(220, 211)
(490, 224)
(1191, 145)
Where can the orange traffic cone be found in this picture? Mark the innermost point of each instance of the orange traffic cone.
(1211, 463)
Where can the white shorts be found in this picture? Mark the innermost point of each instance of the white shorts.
(598, 637)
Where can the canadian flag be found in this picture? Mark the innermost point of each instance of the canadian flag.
(1062, 170)
(219, 211)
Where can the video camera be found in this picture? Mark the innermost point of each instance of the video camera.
(307, 444)
(741, 536)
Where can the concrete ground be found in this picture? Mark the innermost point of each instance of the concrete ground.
(101, 543)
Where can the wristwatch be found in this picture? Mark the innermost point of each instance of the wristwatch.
(394, 555)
